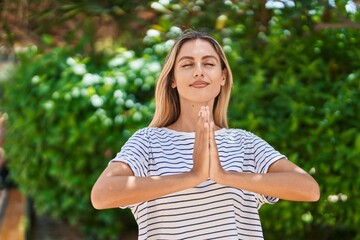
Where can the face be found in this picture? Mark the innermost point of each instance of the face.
(198, 76)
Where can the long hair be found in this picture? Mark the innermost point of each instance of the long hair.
(167, 102)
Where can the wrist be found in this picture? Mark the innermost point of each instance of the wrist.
(196, 177)
(220, 177)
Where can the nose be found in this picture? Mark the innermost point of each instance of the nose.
(198, 71)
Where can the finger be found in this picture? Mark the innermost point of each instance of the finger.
(201, 128)
(201, 111)
(212, 140)
(212, 132)
(207, 135)
(207, 116)
(200, 116)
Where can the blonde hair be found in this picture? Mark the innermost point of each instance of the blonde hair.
(167, 101)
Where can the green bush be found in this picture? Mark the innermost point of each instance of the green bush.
(306, 103)
(295, 86)
(67, 119)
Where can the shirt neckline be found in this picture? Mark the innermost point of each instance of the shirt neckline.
(220, 131)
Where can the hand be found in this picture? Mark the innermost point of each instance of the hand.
(216, 170)
(201, 154)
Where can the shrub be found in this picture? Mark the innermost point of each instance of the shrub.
(295, 86)
(67, 119)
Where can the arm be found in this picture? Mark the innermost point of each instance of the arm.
(283, 180)
(117, 186)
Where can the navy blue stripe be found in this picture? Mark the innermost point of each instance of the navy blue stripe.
(234, 199)
(194, 230)
(157, 151)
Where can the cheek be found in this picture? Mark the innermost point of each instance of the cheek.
(181, 78)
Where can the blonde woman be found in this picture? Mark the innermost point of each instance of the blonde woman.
(189, 176)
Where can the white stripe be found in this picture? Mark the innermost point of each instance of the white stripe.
(208, 211)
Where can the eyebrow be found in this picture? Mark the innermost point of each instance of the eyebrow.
(191, 58)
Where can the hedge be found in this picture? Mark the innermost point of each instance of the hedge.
(70, 113)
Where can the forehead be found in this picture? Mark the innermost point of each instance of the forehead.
(197, 47)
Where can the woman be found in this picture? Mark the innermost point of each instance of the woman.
(189, 176)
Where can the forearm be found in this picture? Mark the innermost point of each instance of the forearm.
(294, 186)
(115, 191)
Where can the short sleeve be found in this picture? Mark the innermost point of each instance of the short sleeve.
(135, 152)
(264, 156)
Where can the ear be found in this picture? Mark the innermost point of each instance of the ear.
(173, 83)
(223, 77)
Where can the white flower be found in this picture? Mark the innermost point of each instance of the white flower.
(70, 61)
(96, 101)
(312, 171)
(120, 101)
(75, 92)
(35, 79)
(154, 67)
(136, 64)
(164, 2)
(90, 79)
(307, 217)
(107, 122)
(79, 69)
(152, 32)
(129, 103)
(333, 198)
(343, 197)
(118, 94)
(117, 61)
(84, 92)
(100, 112)
(119, 119)
(351, 7)
(48, 105)
(176, 30)
(109, 81)
(137, 116)
(169, 43)
(121, 80)
(227, 49)
(138, 81)
(274, 4)
(128, 54)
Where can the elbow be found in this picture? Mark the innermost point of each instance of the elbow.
(308, 190)
(101, 198)
(316, 194)
(96, 198)
(313, 194)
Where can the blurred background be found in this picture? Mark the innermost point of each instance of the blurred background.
(77, 78)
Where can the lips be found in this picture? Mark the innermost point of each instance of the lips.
(199, 84)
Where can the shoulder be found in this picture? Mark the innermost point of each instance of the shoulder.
(242, 135)
(149, 132)
(240, 132)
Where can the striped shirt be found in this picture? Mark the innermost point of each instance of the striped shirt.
(209, 210)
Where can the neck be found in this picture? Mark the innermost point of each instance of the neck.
(189, 115)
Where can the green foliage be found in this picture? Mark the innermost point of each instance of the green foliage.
(67, 119)
(308, 110)
(296, 84)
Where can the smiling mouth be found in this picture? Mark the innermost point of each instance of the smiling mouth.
(199, 84)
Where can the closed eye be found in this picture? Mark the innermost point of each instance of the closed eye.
(187, 65)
